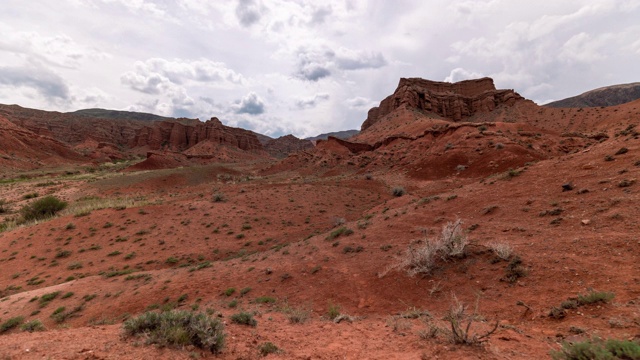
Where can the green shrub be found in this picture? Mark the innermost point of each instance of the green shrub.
(333, 311)
(33, 325)
(230, 291)
(267, 348)
(11, 323)
(244, 318)
(598, 350)
(178, 328)
(341, 231)
(63, 254)
(595, 297)
(265, 300)
(30, 196)
(46, 298)
(42, 208)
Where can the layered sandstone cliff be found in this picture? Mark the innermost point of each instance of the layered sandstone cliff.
(454, 101)
(178, 136)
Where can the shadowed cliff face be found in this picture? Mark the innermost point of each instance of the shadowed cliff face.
(453, 101)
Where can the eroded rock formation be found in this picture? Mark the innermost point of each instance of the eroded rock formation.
(178, 136)
(453, 101)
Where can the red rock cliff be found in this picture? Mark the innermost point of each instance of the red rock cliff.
(454, 101)
(178, 136)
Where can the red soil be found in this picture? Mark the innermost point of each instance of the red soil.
(270, 235)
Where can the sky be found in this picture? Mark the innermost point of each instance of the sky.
(300, 66)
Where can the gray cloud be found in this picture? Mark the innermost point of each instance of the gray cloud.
(320, 15)
(51, 86)
(156, 75)
(347, 59)
(311, 102)
(248, 12)
(315, 64)
(313, 72)
(250, 104)
(360, 103)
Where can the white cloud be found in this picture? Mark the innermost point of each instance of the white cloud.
(152, 75)
(250, 104)
(583, 47)
(459, 74)
(59, 50)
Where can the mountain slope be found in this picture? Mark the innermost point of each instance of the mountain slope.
(118, 114)
(604, 96)
(344, 134)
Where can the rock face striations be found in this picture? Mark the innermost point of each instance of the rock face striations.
(177, 136)
(453, 101)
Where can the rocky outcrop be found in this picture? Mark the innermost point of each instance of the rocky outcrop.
(454, 101)
(177, 136)
(285, 145)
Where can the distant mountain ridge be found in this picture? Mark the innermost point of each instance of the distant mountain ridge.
(604, 96)
(345, 134)
(118, 114)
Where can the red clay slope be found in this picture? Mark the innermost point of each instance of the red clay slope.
(23, 150)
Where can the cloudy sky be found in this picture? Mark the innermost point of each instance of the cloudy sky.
(301, 66)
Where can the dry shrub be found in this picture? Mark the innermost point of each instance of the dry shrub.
(461, 324)
(421, 258)
(501, 249)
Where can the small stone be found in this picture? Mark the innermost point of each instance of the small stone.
(586, 222)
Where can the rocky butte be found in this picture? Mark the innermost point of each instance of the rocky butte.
(454, 101)
(178, 136)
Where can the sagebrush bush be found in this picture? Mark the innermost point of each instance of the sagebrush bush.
(244, 318)
(42, 208)
(421, 258)
(178, 328)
